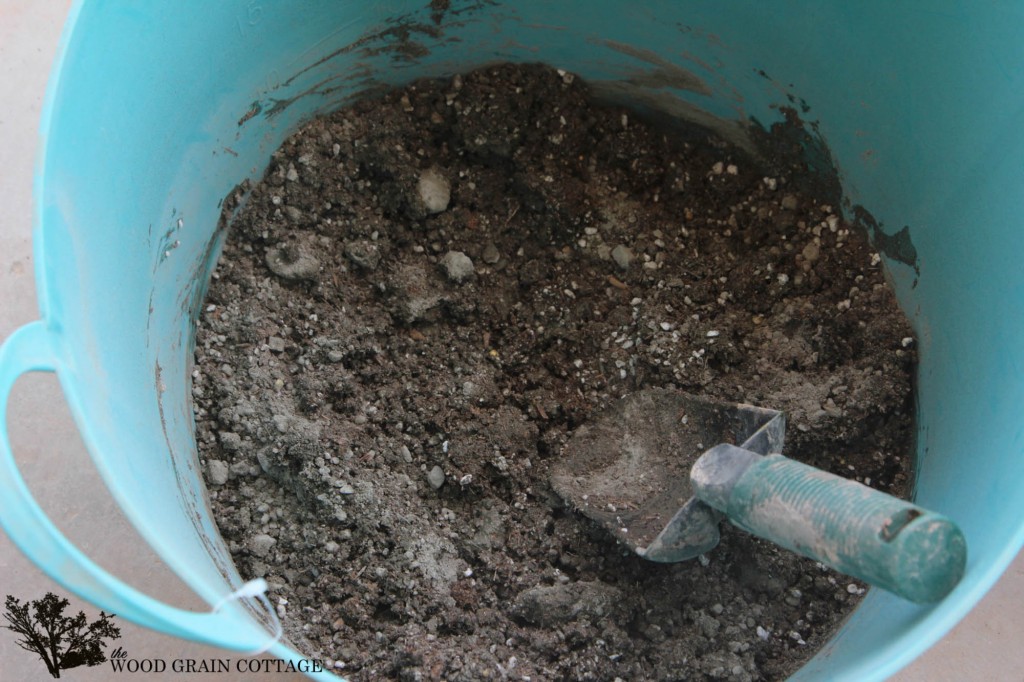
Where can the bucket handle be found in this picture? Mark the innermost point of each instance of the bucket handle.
(31, 349)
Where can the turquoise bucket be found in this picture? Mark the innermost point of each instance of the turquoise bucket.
(156, 110)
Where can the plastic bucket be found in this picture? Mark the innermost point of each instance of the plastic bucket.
(156, 110)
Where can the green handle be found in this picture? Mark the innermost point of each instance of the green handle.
(885, 541)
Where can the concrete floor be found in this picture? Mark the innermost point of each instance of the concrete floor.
(59, 471)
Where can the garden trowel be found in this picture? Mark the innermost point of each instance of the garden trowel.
(660, 468)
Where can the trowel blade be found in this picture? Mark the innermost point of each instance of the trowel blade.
(629, 468)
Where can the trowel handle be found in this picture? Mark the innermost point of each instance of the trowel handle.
(885, 541)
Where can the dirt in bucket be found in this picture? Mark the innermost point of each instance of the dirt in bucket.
(428, 292)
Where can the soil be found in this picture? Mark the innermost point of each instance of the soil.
(429, 292)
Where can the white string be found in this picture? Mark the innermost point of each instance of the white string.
(256, 589)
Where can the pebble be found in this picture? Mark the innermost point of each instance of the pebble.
(789, 202)
(405, 453)
(363, 253)
(276, 344)
(435, 477)
(554, 604)
(217, 472)
(457, 266)
(292, 263)
(230, 441)
(491, 255)
(261, 544)
(434, 190)
(623, 256)
(335, 356)
(811, 252)
(293, 213)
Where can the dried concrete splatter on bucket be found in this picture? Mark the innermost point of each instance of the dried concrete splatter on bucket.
(423, 298)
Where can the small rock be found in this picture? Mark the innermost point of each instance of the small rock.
(292, 175)
(230, 441)
(434, 190)
(405, 454)
(549, 605)
(276, 344)
(292, 262)
(416, 293)
(457, 266)
(244, 469)
(532, 272)
(789, 202)
(335, 356)
(217, 472)
(811, 252)
(622, 256)
(282, 423)
(435, 477)
(293, 213)
(261, 544)
(491, 255)
(363, 253)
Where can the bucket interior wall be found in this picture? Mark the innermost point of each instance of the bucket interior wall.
(158, 109)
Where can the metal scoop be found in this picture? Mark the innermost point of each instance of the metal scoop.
(661, 468)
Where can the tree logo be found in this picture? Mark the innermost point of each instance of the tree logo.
(61, 641)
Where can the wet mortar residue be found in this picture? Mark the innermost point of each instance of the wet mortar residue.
(424, 297)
